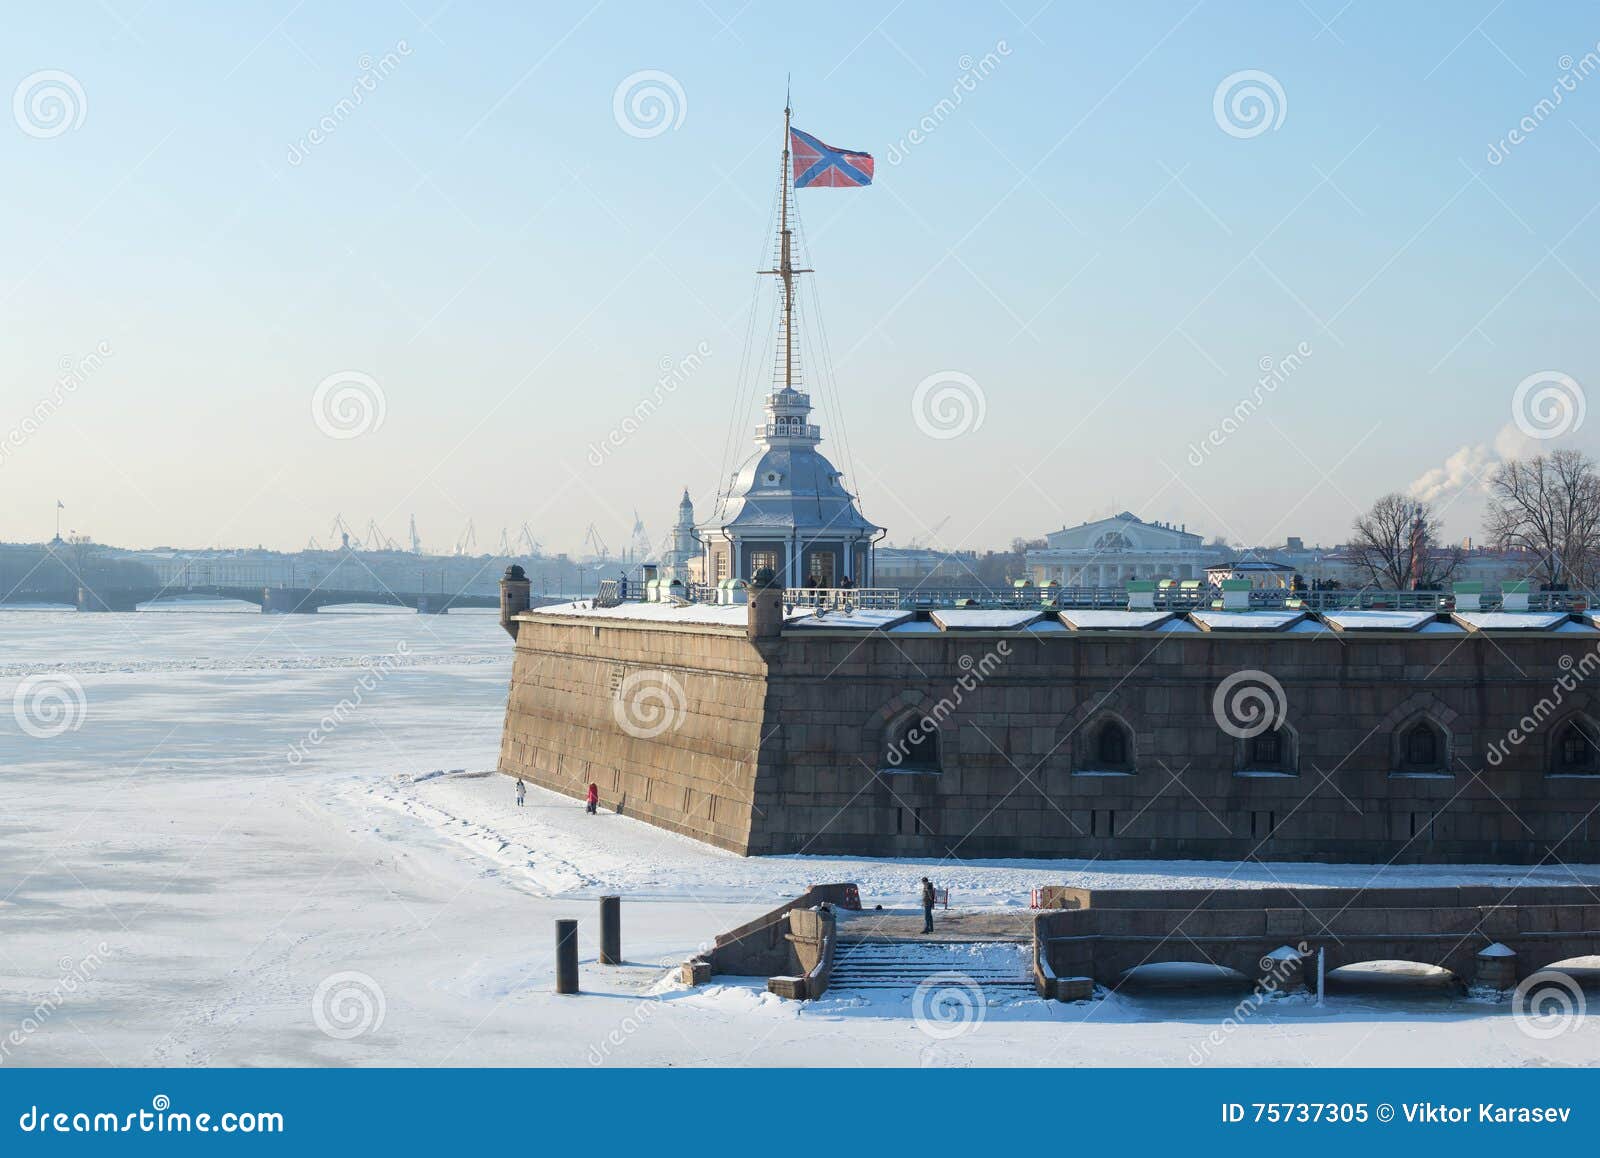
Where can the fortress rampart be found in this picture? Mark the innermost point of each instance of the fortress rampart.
(934, 734)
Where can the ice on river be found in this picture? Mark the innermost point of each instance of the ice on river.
(254, 840)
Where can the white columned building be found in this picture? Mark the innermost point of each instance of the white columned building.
(1109, 552)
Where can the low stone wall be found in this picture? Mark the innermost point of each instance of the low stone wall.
(1310, 896)
(792, 939)
(813, 934)
(1259, 935)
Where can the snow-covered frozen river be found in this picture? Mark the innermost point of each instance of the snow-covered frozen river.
(238, 839)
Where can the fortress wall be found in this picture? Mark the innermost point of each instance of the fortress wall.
(666, 721)
(777, 746)
(1012, 743)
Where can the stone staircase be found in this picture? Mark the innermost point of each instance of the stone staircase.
(1001, 968)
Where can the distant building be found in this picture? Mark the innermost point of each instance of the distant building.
(1109, 552)
(1262, 574)
(925, 566)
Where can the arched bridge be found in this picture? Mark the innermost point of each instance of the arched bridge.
(272, 600)
(1481, 934)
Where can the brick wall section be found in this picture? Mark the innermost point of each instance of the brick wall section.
(781, 743)
(564, 721)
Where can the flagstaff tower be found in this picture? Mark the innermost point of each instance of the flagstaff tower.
(787, 507)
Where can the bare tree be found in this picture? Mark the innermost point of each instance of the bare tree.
(1396, 543)
(1549, 505)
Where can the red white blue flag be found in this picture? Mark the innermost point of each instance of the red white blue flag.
(820, 165)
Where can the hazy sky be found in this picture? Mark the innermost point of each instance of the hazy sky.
(490, 238)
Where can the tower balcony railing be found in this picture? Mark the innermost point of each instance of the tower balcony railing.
(844, 598)
(788, 430)
(1176, 599)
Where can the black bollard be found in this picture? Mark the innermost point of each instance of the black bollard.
(611, 930)
(566, 956)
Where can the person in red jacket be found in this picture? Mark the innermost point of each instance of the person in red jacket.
(592, 801)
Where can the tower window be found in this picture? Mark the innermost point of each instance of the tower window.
(1575, 749)
(1112, 749)
(1266, 750)
(1422, 746)
(914, 746)
(1422, 749)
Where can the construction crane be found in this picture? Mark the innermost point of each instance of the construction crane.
(535, 551)
(416, 543)
(376, 540)
(505, 544)
(341, 531)
(593, 539)
(640, 550)
(929, 537)
(468, 541)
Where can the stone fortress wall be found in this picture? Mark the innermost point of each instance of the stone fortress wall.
(779, 740)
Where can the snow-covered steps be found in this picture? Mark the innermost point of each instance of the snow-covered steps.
(1003, 966)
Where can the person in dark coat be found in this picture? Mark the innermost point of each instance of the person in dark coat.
(522, 791)
(592, 801)
(927, 905)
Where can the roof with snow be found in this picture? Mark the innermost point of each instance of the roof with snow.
(1076, 621)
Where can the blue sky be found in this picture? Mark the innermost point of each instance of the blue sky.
(1082, 240)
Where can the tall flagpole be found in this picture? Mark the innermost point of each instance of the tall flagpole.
(786, 267)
